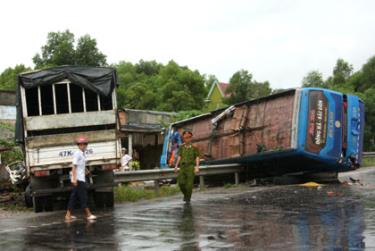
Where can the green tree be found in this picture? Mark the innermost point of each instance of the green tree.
(313, 79)
(139, 96)
(148, 68)
(341, 73)
(242, 87)
(8, 78)
(275, 91)
(60, 50)
(366, 78)
(209, 80)
(154, 86)
(182, 89)
(369, 139)
(87, 52)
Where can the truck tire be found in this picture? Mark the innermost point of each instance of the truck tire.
(38, 204)
(104, 199)
(109, 200)
(48, 203)
(99, 199)
(28, 197)
(43, 203)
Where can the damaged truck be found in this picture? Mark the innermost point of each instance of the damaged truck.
(54, 107)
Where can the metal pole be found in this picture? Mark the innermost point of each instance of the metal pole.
(130, 144)
(156, 182)
(201, 182)
(236, 179)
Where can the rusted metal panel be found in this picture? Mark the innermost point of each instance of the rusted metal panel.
(144, 121)
(251, 127)
(122, 118)
(70, 120)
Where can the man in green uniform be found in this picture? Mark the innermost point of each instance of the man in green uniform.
(188, 161)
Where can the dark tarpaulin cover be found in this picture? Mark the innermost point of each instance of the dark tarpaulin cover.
(101, 80)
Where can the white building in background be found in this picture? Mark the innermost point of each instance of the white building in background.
(7, 106)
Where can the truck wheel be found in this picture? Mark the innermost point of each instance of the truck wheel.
(104, 199)
(38, 204)
(99, 199)
(28, 197)
(48, 203)
(43, 203)
(109, 200)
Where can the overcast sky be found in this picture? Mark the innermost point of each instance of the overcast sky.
(279, 41)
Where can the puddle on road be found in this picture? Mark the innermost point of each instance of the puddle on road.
(284, 218)
(332, 217)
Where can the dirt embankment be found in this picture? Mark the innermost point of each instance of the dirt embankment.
(11, 199)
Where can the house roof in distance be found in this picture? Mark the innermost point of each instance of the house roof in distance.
(222, 88)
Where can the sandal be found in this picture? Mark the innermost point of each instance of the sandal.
(91, 217)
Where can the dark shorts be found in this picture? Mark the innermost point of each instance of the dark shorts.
(79, 194)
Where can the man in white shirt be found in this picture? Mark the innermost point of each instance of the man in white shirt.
(78, 179)
(126, 158)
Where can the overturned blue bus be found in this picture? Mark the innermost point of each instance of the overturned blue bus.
(304, 130)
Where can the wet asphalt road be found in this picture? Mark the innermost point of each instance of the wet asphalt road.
(332, 217)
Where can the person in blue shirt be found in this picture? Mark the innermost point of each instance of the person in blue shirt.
(176, 143)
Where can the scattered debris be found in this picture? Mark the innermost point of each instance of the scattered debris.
(352, 182)
(5, 198)
(330, 194)
(311, 184)
(336, 194)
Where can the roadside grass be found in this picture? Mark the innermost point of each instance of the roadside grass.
(125, 193)
(229, 185)
(368, 161)
(16, 207)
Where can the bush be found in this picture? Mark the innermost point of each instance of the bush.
(125, 193)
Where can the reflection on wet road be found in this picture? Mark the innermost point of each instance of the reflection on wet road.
(332, 217)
